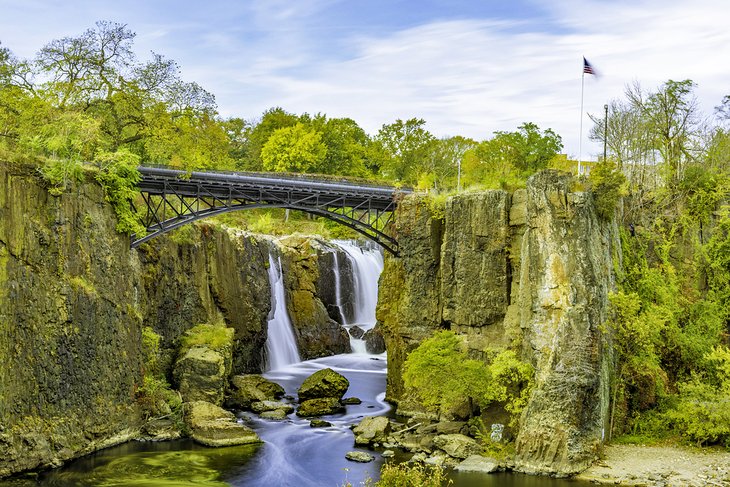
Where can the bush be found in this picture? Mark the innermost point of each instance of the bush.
(60, 173)
(608, 184)
(119, 177)
(408, 475)
(443, 376)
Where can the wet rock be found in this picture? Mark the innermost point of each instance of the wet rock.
(323, 383)
(264, 406)
(320, 407)
(457, 445)
(253, 387)
(351, 400)
(319, 423)
(275, 415)
(374, 341)
(161, 430)
(356, 332)
(211, 425)
(359, 456)
(388, 454)
(478, 463)
(372, 429)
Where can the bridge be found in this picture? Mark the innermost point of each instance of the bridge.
(174, 198)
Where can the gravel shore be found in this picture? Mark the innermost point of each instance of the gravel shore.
(655, 466)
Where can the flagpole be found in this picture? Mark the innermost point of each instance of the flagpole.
(580, 140)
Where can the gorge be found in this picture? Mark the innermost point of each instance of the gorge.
(528, 271)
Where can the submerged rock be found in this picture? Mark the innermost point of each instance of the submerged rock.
(319, 407)
(264, 406)
(478, 463)
(323, 383)
(359, 456)
(372, 429)
(351, 400)
(319, 423)
(211, 425)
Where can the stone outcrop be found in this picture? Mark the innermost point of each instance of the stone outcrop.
(211, 425)
(530, 271)
(320, 406)
(203, 368)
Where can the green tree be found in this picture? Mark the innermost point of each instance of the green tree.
(259, 133)
(298, 149)
(408, 146)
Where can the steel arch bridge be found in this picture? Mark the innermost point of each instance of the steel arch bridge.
(173, 198)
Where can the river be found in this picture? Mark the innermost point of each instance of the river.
(293, 453)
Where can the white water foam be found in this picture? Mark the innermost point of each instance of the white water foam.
(281, 345)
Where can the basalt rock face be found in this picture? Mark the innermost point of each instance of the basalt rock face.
(209, 276)
(317, 334)
(530, 271)
(70, 354)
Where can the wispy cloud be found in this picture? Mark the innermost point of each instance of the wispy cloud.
(465, 74)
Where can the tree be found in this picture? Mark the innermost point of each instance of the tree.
(271, 120)
(298, 148)
(408, 145)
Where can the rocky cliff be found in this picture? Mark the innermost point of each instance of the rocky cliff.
(530, 271)
(74, 299)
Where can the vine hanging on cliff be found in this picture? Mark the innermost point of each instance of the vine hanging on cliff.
(119, 177)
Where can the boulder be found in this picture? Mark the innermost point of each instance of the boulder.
(319, 423)
(374, 341)
(275, 415)
(211, 425)
(351, 400)
(319, 407)
(259, 407)
(250, 388)
(359, 456)
(478, 463)
(457, 445)
(200, 375)
(161, 430)
(323, 383)
(372, 429)
(356, 332)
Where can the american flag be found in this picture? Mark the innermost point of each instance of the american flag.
(587, 68)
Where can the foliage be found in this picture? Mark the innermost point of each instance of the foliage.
(119, 176)
(409, 475)
(297, 148)
(60, 173)
(443, 376)
(608, 186)
(408, 145)
(155, 396)
(214, 336)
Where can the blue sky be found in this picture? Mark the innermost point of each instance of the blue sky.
(468, 67)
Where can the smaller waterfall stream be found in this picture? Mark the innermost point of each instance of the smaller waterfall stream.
(367, 264)
(281, 345)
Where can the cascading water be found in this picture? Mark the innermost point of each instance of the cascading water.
(367, 264)
(281, 346)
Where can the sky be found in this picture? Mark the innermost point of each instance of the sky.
(467, 67)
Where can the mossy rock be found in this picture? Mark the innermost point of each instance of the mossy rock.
(325, 383)
(319, 407)
(250, 388)
(214, 426)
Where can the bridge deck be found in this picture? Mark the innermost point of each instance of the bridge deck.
(175, 197)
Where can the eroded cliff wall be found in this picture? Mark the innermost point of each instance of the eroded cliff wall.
(529, 271)
(74, 299)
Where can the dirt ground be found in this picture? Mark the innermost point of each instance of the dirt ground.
(660, 466)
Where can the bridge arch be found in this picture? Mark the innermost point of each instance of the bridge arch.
(175, 198)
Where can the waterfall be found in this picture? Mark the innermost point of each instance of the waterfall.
(281, 346)
(338, 286)
(367, 264)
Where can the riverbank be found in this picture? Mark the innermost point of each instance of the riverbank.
(660, 466)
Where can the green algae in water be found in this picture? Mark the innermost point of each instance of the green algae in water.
(173, 464)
